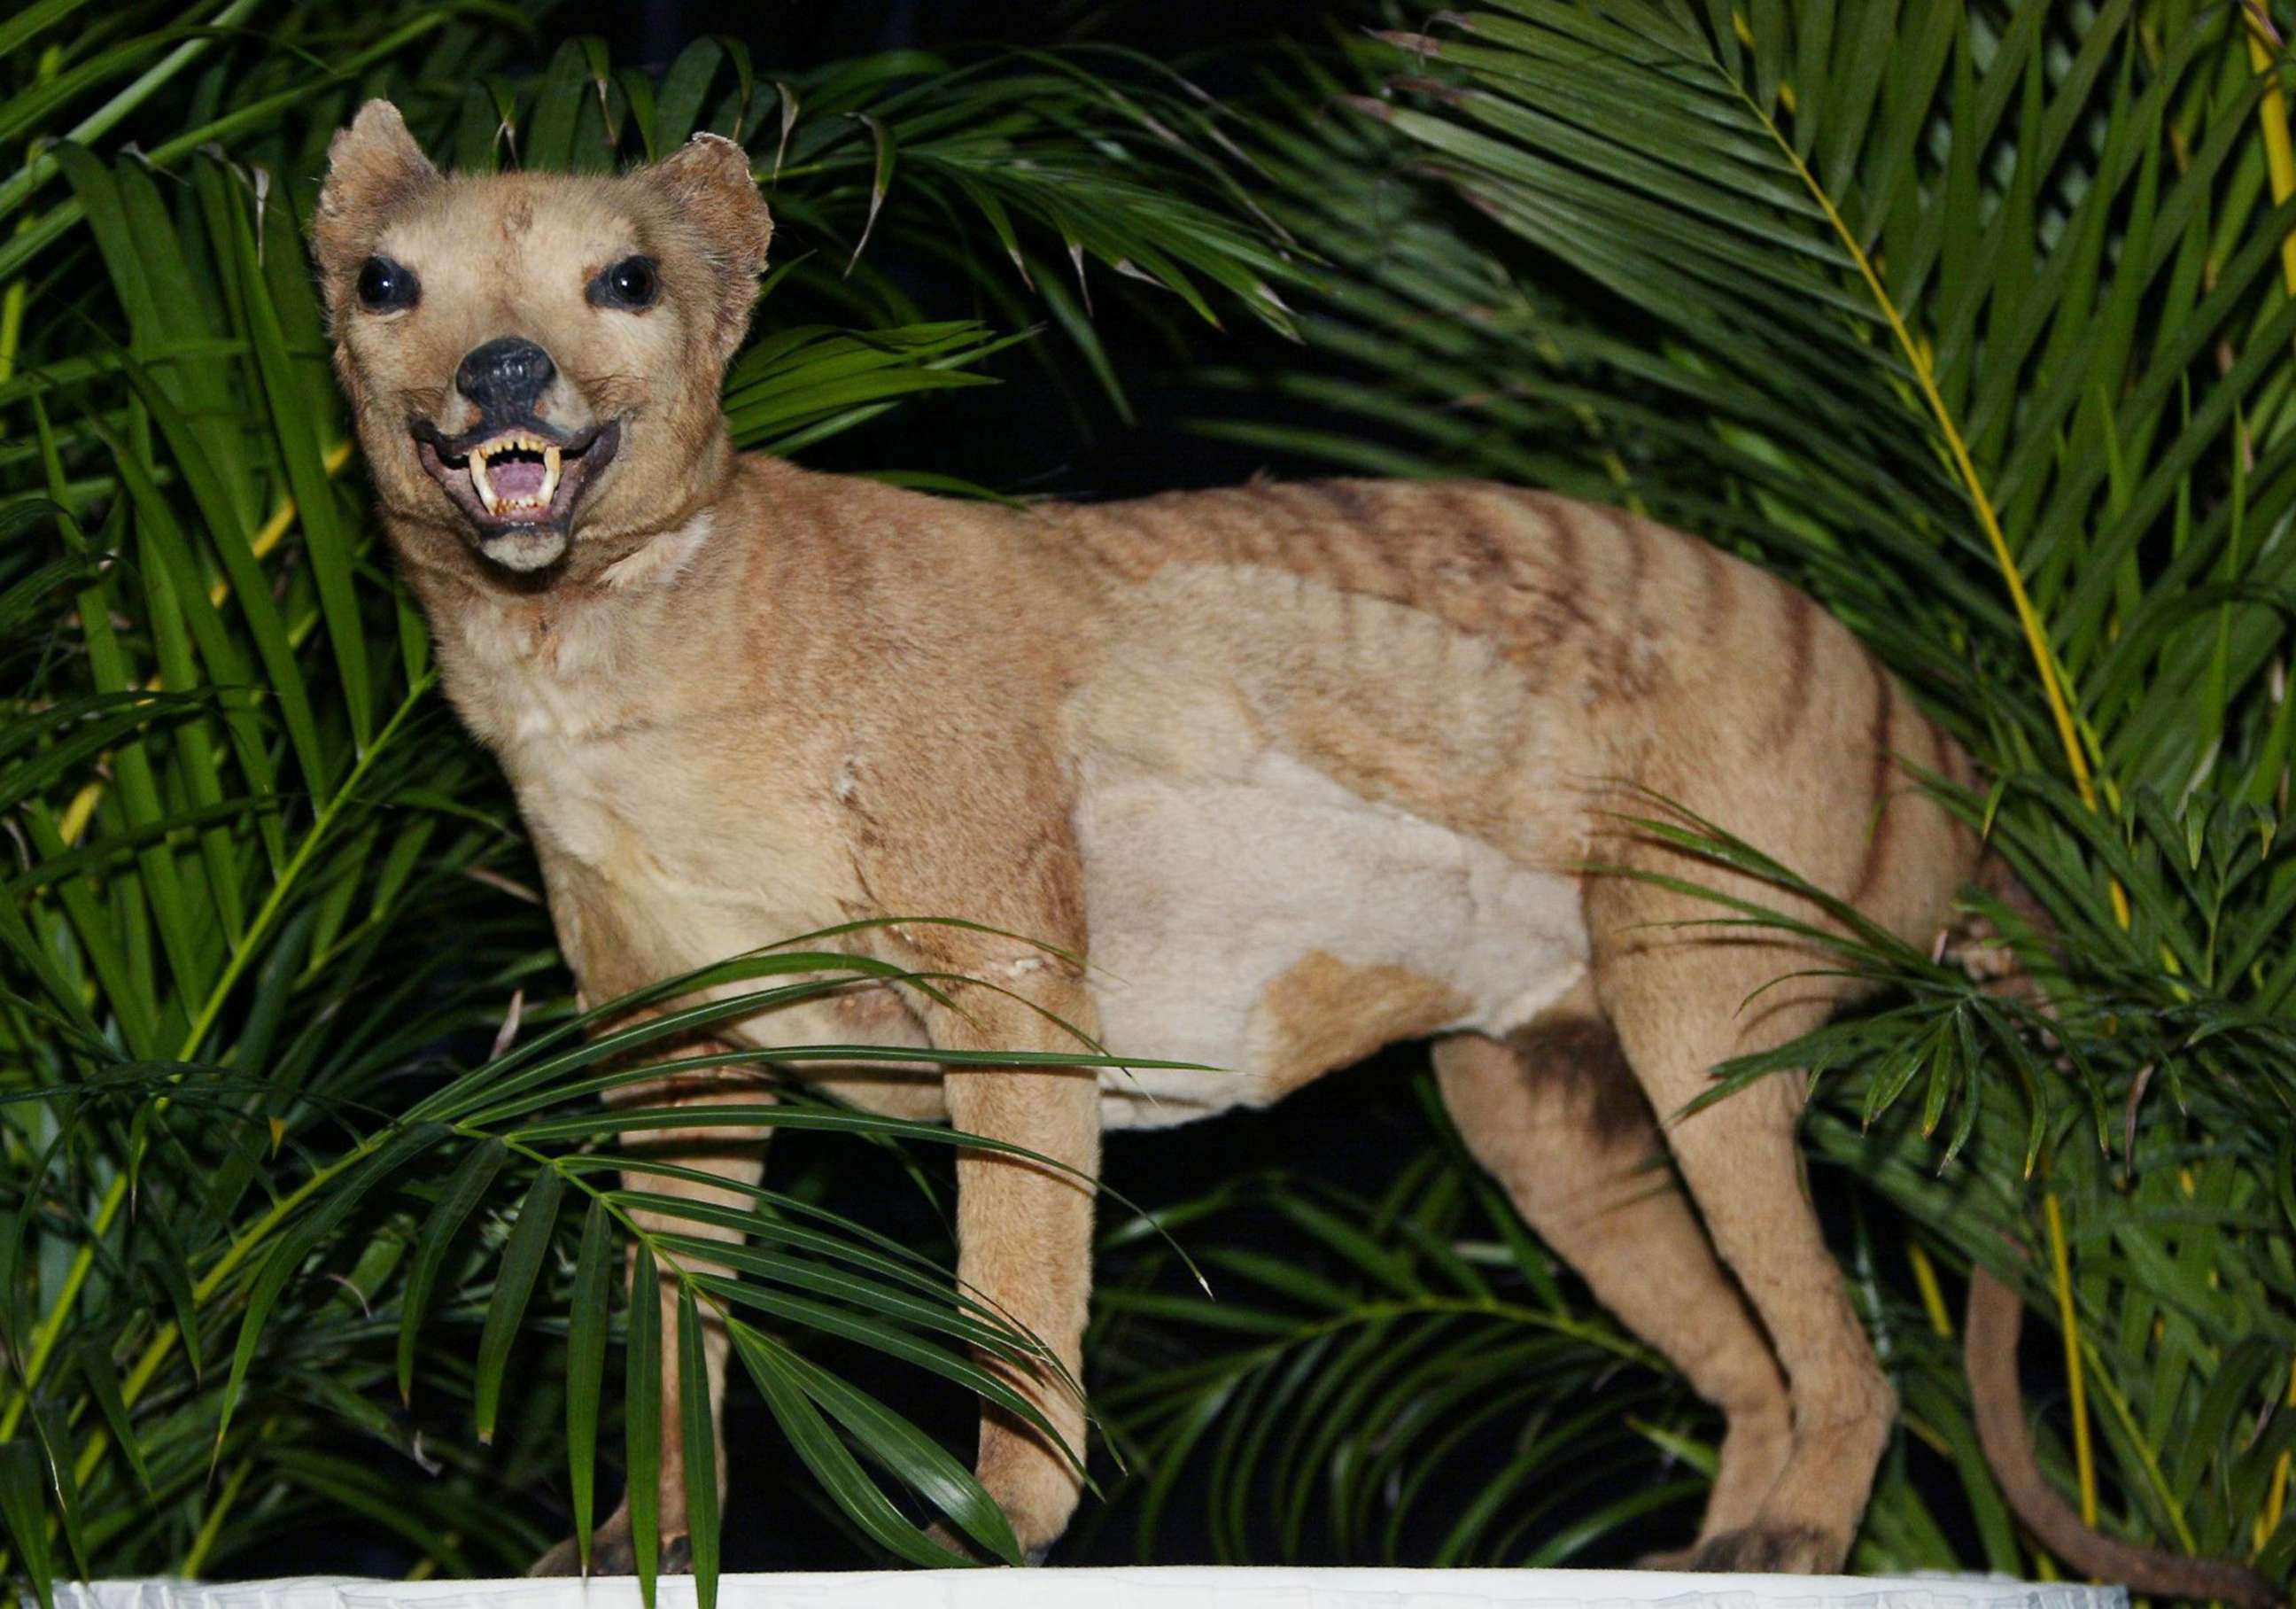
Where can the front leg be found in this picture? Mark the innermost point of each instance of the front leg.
(1024, 1230)
(737, 1157)
(973, 820)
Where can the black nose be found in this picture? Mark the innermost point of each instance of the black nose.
(505, 376)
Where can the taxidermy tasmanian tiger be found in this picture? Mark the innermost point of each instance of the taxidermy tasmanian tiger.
(1302, 770)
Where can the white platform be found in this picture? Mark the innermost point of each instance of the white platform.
(1130, 1588)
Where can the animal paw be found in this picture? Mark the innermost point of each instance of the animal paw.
(612, 1553)
(1772, 1549)
(956, 1542)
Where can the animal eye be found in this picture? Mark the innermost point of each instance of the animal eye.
(631, 284)
(387, 287)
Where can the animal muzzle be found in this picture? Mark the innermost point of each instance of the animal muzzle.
(504, 379)
(511, 469)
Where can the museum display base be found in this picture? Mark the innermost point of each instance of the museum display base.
(1176, 1587)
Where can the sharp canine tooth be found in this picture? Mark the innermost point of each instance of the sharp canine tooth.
(549, 474)
(479, 481)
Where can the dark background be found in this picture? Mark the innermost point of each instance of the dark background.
(797, 33)
(1047, 429)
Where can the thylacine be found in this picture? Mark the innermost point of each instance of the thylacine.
(1302, 769)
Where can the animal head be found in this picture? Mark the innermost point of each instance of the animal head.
(534, 359)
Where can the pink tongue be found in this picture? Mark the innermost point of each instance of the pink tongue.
(515, 477)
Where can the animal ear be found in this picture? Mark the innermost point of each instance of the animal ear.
(709, 179)
(371, 166)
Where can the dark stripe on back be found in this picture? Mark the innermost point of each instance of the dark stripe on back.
(1346, 503)
(1470, 525)
(1629, 531)
(1137, 544)
(1720, 589)
(1563, 519)
(1353, 549)
(1793, 697)
(1463, 572)
(1257, 538)
(1316, 542)
(1879, 798)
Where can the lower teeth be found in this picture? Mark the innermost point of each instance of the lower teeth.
(484, 486)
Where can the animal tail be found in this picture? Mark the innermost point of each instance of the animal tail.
(1996, 1317)
(1996, 1313)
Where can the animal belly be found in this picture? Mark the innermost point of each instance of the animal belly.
(1275, 925)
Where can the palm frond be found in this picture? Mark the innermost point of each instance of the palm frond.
(1399, 1378)
(1974, 321)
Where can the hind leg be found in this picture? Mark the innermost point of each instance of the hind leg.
(1680, 1005)
(1554, 1115)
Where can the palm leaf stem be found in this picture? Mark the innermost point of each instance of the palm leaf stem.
(211, 1525)
(2069, 1325)
(1918, 359)
(1932, 1297)
(2272, 114)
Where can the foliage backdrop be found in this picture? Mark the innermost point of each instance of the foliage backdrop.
(1973, 320)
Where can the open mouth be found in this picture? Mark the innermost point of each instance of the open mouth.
(522, 477)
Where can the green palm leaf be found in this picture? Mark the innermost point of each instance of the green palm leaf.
(1975, 321)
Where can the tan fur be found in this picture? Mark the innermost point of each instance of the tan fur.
(1555, 1114)
(1325, 1013)
(1302, 769)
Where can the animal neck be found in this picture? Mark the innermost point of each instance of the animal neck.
(576, 655)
